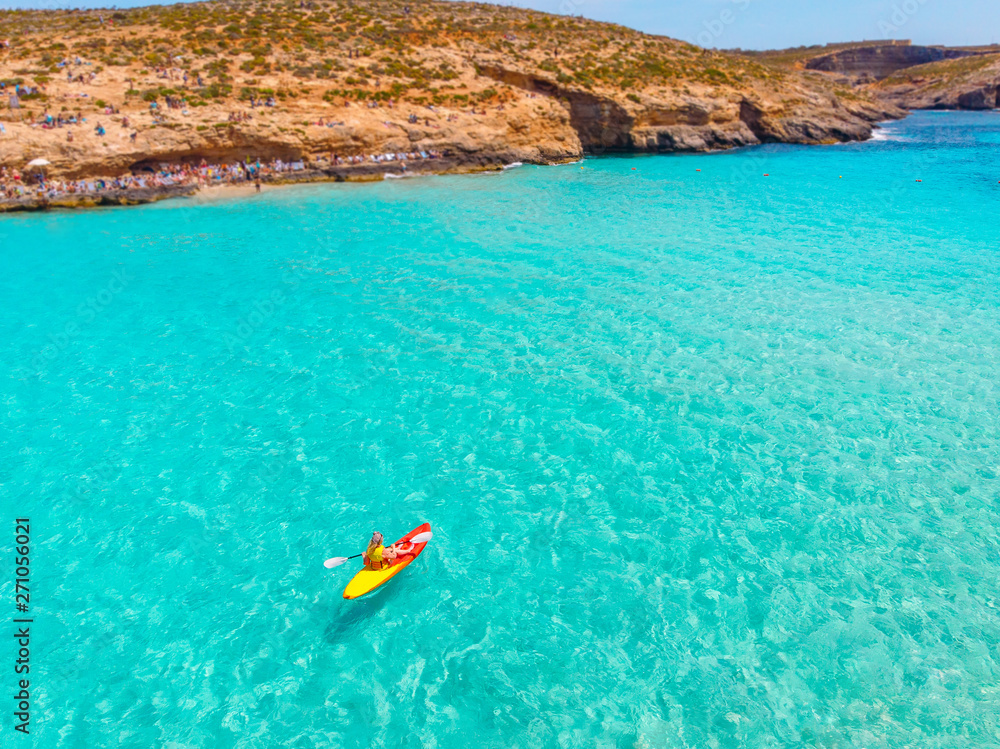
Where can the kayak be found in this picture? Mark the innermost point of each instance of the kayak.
(367, 580)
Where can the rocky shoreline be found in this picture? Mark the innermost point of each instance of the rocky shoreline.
(336, 173)
(750, 125)
(135, 196)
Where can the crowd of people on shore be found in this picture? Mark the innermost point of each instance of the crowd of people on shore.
(33, 184)
(384, 158)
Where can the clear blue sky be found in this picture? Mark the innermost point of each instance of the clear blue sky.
(754, 24)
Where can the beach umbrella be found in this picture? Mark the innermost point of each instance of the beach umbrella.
(35, 163)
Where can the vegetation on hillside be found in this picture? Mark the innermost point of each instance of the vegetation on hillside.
(362, 49)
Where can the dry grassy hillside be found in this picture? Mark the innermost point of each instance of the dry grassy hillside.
(488, 83)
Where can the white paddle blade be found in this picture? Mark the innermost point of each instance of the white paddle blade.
(422, 538)
(335, 562)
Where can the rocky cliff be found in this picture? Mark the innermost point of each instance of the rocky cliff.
(485, 85)
(881, 61)
(972, 83)
(664, 120)
(901, 75)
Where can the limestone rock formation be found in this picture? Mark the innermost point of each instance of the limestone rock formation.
(881, 61)
(972, 83)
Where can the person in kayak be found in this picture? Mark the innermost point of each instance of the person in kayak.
(378, 557)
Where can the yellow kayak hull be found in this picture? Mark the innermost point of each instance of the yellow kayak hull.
(368, 580)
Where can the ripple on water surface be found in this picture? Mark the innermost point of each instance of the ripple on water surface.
(711, 459)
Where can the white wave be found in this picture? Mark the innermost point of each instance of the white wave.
(884, 135)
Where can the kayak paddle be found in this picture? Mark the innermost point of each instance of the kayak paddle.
(420, 538)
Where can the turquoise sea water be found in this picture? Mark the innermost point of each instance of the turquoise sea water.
(711, 457)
